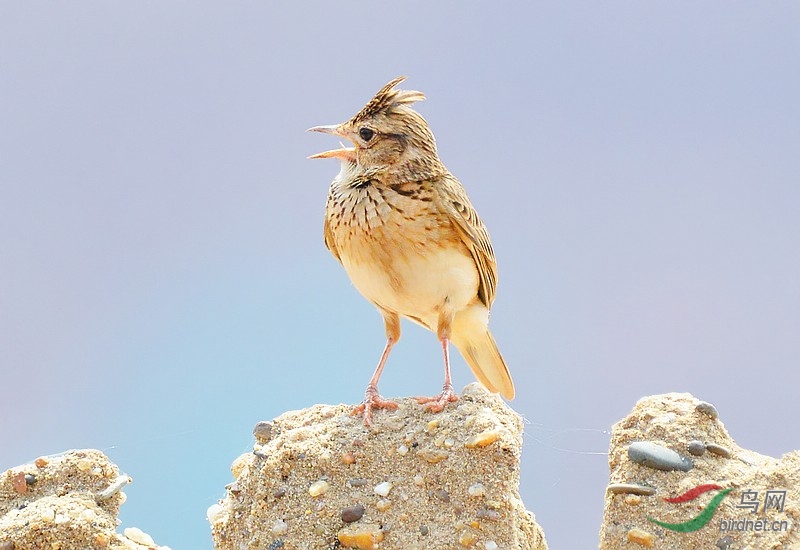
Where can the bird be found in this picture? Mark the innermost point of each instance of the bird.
(411, 242)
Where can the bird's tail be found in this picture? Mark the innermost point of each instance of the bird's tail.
(479, 349)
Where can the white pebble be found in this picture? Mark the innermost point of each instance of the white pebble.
(61, 518)
(84, 464)
(476, 490)
(383, 489)
(214, 513)
(280, 527)
(490, 545)
(137, 535)
(115, 487)
(48, 516)
(402, 450)
(318, 488)
(419, 480)
(449, 442)
(88, 515)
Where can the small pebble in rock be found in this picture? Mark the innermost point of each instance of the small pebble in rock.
(278, 493)
(630, 488)
(418, 480)
(696, 448)
(18, 483)
(84, 464)
(61, 519)
(48, 515)
(718, 450)
(724, 543)
(423, 530)
(137, 535)
(432, 456)
(383, 504)
(318, 488)
(325, 456)
(476, 490)
(41, 462)
(275, 545)
(383, 489)
(348, 458)
(707, 409)
(467, 537)
(360, 536)
(490, 545)
(263, 431)
(632, 500)
(442, 495)
(88, 515)
(102, 540)
(658, 457)
(357, 482)
(449, 442)
(214, 512)
(432, 425)
(352, 513)
(402, 450)
(483, 439)
(238, 465)
(280, 527)
(640, 536)
(115, 487)
(492, 515)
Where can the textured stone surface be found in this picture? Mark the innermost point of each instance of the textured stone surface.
(676, 421)
(425, 481)
(64, 502)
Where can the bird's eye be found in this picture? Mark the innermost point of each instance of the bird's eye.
(366, 134)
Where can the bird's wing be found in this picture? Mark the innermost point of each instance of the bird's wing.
(330, 242)
(473, 234)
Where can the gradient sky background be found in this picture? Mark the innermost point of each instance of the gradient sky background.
(164, 284)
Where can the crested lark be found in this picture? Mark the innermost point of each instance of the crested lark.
(403, 228)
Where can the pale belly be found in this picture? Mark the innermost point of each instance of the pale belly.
(416, 284)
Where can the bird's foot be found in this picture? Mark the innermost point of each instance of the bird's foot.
(372, 400)
(437, 403)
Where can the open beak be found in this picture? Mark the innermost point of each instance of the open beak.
(333, 129)
(345, 153)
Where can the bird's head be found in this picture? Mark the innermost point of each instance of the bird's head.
(386, 133)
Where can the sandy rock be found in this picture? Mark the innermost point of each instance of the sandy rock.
(67, 501)
(727, 476)
(408, 476)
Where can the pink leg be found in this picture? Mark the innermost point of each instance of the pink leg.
(372, 399)
(438, 402)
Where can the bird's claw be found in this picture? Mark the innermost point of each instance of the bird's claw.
(437, 403)
(372, 400)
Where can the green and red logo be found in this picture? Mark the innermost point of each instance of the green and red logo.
(701, 519)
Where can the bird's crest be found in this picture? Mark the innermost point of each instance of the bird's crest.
(387, 99)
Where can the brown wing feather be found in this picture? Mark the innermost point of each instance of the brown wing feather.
(474, 235)
(330, 242)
